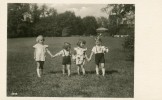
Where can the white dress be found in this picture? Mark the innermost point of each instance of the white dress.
(80, 55)
(40, 52)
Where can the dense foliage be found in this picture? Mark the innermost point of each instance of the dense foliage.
(30, 20)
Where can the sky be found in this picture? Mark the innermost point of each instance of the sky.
(80, 9)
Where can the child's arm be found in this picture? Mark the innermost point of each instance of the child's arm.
(49, 52)
(57, 54)
(87, 57)
(74, 56)
(91, 55)
(106, 50)
(34, 53)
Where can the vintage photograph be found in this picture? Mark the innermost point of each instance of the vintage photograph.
(70, 50)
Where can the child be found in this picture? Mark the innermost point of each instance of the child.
(99, 52)
(40, 54)
(80, 55)
(66, 57)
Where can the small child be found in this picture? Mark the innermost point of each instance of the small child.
(99, 52)
(40, 54)
(66, 57)
(80, 55)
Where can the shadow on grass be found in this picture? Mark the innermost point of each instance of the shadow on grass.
(106, 72)
(87, 72)
(55, 72)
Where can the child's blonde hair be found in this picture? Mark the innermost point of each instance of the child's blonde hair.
(66, 45)
(81, 41)
(39, 37)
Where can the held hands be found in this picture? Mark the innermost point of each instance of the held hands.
(89, 59)
(53, 56)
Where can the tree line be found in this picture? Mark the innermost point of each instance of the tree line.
(27, 20)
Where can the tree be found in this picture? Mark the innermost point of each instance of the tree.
(16, 12)
(116, 14)
(35, 13)
(102, 22)
(90, 25)
(67, 19)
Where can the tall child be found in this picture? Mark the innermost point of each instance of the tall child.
(40, 54)
(99, 52)
(66, 58)
(80, 56)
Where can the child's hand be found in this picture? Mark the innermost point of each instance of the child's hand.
(74, 61)
(89, 60)
(34, 57)
(53, 56)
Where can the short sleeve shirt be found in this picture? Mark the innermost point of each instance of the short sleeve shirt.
(99, 49)
(64, 53)
(40, 52)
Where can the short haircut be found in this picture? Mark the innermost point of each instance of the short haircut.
(98, 39)
(66, 45)
(81, 41)
(39, 37)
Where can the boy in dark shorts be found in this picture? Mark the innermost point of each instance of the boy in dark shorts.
(99, 52)
(66, 57)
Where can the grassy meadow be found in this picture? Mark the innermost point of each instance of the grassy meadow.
(22, 78)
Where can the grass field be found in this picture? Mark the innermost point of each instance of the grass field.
(22, 78)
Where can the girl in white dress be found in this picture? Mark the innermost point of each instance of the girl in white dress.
(80, 56)
(99, 52)
(40, 54)
(66, 58)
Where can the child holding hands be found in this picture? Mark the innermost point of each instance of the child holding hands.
(40, 54)
(99, 52)
(80, 56)
(66, 57)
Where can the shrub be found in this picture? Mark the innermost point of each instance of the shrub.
(129, 47)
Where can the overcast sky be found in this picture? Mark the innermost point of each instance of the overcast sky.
(80, 9)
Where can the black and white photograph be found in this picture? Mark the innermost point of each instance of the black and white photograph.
(70, 50)
(80, 49)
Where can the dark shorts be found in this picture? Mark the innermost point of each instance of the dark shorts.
(41, 64)
(66, 60)
(99, 58)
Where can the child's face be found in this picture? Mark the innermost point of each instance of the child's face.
(68, 49)
(41, 40)
(98, 43)
(82, 45)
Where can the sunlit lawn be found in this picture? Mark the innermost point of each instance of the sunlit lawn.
(22, 78)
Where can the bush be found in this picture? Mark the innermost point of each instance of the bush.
(129, 47)
(129, 42)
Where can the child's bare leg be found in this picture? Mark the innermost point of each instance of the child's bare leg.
(83, 70)
(78, 69)
(97, 69)
(41, 68)
(69, 69)
(38, 69)
(103, 69)
(63, 69)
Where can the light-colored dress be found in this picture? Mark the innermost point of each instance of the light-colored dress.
(40, 53)
(80, 55)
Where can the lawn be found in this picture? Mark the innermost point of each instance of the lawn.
(22, 79)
